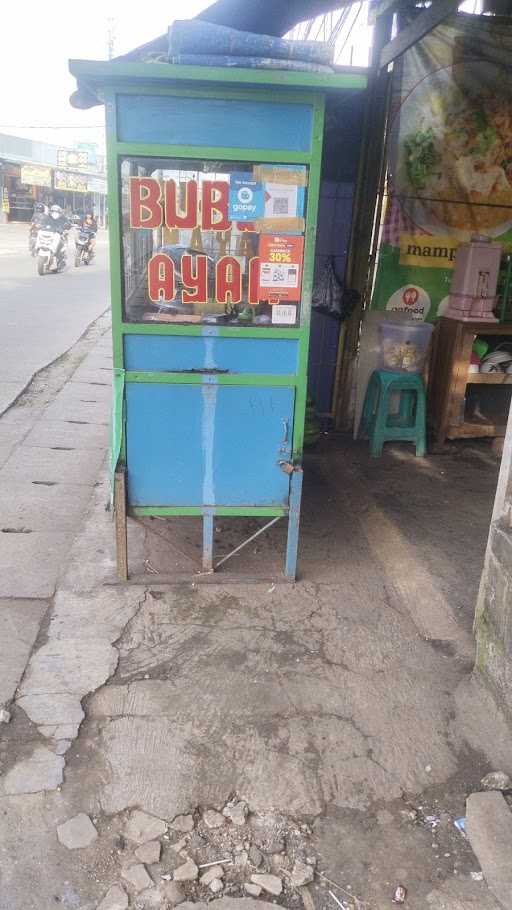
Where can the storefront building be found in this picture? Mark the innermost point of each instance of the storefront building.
(33, 172)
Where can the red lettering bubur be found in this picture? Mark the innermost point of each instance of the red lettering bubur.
(215, 205)
(145, 205)
(184, 219)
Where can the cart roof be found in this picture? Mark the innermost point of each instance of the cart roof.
(94, 75)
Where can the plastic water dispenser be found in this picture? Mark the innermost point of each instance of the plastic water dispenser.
(473, 287)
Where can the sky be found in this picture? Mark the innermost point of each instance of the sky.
(39, 38)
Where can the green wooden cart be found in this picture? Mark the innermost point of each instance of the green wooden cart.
(213, 179)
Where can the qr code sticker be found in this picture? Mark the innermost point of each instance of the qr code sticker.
(280, 205)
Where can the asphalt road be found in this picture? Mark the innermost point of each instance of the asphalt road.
(42, 317)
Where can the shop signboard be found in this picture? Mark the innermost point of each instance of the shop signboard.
(450, 161)
(92, 151)
(5, 201)
(72, 157)
(64, 180)
(36, 175)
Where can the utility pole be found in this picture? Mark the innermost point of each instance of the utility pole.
(111, 37)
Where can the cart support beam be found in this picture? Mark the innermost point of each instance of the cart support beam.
(121, 526)
(208, 541)
(292, 544)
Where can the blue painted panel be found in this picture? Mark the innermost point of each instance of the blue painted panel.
(254, 428)
(195, 445)
(168, 353)
(172, 120)
(163, 442)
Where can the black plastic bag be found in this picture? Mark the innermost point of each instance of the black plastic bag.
(330, 296)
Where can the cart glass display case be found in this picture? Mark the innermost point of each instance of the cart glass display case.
(212, 242)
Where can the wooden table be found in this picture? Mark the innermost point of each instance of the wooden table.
(449, 376)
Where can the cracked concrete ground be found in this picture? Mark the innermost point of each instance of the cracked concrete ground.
(48, 470)
(346, 699)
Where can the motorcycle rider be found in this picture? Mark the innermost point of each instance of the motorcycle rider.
(40, 211)
(90, 226)
(38, 219)
(56, 220)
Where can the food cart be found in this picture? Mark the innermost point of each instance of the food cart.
(213, 178)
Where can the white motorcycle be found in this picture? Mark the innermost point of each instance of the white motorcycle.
(50, 250)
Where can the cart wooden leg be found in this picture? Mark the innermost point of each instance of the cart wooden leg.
(121, 526)
(208, 541)
(292, 543)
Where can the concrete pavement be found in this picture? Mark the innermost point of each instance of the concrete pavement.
(41, 317)
(49, 468)
(345, 702)
(49, 459)
(325, 700)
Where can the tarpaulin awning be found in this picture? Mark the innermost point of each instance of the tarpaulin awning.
(269, 17)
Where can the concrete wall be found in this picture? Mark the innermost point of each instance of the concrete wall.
(493, 619)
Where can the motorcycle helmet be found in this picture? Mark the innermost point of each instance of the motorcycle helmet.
(39, 208)
(55, 211)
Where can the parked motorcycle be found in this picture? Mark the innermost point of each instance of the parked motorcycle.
(50, 251)
(84, 251)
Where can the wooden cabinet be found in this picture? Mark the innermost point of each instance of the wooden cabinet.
(449, 378)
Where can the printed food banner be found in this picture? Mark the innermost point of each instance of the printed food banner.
(450, 160)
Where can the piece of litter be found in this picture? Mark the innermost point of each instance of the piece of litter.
(217, 862)
(5, 716)
(477, 876)
(433, 820)
(341, 904)
(399, 895)
(460, 824)
(356, 900)
(167, 877)
(271, 589)
(428, 768)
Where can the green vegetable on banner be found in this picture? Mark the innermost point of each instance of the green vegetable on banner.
(450, 160)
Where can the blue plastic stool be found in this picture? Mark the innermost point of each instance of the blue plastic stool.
(408, 424)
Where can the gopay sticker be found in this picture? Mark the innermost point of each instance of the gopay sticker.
(246, 199)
